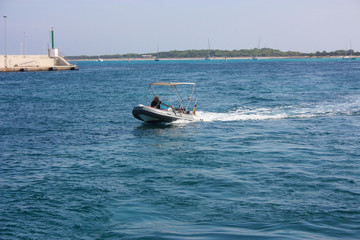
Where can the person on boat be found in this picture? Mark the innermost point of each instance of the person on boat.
(156, 103)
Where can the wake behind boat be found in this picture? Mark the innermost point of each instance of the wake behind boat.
(164, 111)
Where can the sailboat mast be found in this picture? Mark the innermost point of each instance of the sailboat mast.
(209, 48)
(257, 52)
(157, 52)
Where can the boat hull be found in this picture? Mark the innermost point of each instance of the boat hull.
(154, 115)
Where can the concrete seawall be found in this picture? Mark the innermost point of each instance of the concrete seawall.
(18, 63)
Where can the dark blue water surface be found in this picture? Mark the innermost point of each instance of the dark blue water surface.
(276, 157)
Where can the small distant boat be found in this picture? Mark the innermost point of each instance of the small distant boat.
(208, 58)
(160, 114)
(157, 54)
(100, 59)
(349, 55)
(257, 52)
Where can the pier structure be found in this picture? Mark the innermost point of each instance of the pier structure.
(24, 63)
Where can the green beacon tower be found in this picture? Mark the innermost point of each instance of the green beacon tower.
(53, 52)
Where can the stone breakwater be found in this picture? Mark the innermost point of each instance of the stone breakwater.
(24, 63)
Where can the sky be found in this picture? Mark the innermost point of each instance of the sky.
(99, 27)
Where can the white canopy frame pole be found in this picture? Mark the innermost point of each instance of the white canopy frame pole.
(169, 96)
(166, 97)
(152, 90)
(174, 89)
(179, 97)
(190, 98)
(144, 97)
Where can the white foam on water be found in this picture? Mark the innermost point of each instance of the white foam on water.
(239, 115)
(349, 107)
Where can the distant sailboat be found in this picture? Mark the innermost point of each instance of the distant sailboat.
(208, 58)
(257, 52)
(350, 56)
(100, 59)
(157, 54)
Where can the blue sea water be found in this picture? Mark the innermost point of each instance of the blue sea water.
(276, 157)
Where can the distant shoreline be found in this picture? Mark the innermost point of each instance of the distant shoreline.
(215, 58)
(216, 54)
